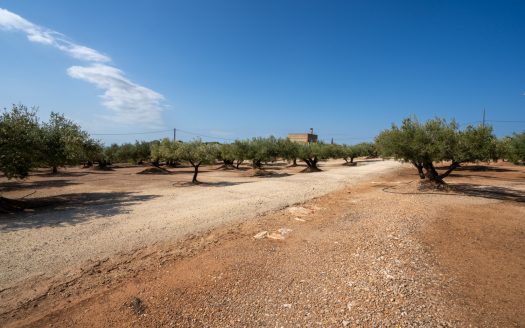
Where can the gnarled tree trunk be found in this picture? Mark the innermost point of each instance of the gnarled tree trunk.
(195, 173)
(432, 175)
(311, 164)
(256, 164)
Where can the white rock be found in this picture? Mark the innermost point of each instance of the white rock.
(261, 235)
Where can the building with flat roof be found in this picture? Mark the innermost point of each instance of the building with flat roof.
(303, 137)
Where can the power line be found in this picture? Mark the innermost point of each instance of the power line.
(129, 134)
(204, 136)
(162, 131)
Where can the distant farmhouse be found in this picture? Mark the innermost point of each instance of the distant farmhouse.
(303, 137)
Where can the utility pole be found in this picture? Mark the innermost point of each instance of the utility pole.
(174, 134)
(483, 117)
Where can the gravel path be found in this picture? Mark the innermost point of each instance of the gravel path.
(73, 236)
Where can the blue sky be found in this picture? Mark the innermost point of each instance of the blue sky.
(237, 69)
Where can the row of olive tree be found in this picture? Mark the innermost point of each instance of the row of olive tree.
(258, 151)
(136, 153)
(25, 142)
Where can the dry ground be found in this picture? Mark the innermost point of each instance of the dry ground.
(379, 253)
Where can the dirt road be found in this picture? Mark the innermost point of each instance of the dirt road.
(109, 219)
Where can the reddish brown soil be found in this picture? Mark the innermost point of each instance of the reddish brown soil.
(380, 253)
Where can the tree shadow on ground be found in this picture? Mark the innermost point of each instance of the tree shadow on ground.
(478, 168)
(60, 174)
(208, 184)
(68, 209)
(23, 185)
(272, 175)
(490, 192)
(514, 179)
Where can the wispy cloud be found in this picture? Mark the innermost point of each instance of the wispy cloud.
(130, 103)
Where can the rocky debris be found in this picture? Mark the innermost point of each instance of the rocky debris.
(299, 219)
(137, 306)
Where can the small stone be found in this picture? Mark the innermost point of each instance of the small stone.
(346, 323)
(261, 235)
(299, 219)
(288, 306)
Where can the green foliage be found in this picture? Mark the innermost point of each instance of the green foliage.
(434, 141)
(63, 141)
(227, 154)
(366, 149)
(311, 153)
(287, 149)
(517, 148)
(155, 155)
(20, 141)
(135, 153)
(262, 150)
(168, 151)
(196, 152)
(241, 151)
(92, 151)
(142, 151)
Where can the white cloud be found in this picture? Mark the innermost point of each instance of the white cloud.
(130, 103)
(38, 34)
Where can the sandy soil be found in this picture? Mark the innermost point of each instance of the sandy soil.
(101, 214)
(376, 253)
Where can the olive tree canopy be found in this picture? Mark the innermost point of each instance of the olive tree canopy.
(20, 141)
(436, 140)
(197, 153)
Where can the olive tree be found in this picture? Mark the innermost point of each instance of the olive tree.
(92, 151)
(154, 153)
(288, 150)
(227, 154)
(241, 151)
(63, 141)
(197, 153)
(349, 153)
(434, 141)
(262, 150)
(20, 141)
(312, 153)
(516, 148)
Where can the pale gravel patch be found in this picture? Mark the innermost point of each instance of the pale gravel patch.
(174, 213)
